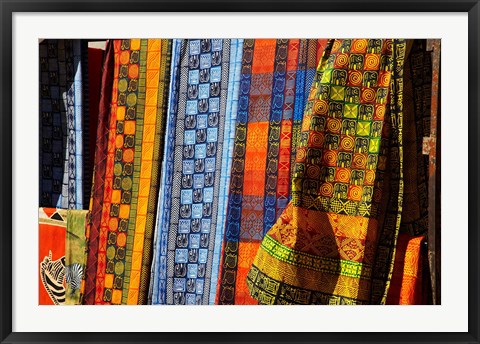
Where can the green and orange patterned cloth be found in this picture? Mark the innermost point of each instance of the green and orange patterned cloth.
(276, 77)
(335, 241)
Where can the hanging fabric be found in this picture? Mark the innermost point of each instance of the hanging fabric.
(62, 251)
(63, 64)
(276, 77)
(335, 241)
(130, 182)
(189, 203)
(408, 283)
(99, 172)
(232, 171)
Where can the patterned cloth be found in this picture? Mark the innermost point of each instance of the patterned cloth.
(92, 100)
(164, 203)
(275, 79)
(189, 203)
(62, 67)
(52, 235)
(231, 171)
(407, 287)
(417, 103)
(78, 222)
(335, 241)
(100, 160)
(62, 255)
(236, 51)
(130, 182)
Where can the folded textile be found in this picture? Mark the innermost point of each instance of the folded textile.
(335, 241)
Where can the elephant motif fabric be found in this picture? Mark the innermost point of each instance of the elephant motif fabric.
(197, 145)
(335, 241)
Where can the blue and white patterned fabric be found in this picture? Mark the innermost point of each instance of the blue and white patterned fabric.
(62, 69)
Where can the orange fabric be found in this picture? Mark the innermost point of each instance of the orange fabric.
(51, 242)
(106, 222)
(256, 155)
(406, 285)
(264, 56)
(246, 254)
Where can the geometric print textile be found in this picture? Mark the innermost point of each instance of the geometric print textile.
(410, 271)
(335, 241)
(186, 242)
(276, 76)
(234, 172)
(99, 175)
(135, 135)
(63, 65)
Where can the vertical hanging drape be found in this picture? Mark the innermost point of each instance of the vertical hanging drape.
(99, 170)
(335, 241)
(188, 210)
(275, 75)
(130, 182)
(232, 171)
(408, 283)
(62, 73)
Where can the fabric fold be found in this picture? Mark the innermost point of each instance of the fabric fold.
(63, 66)
(99, 172)
(187, 219)
(276, 76)
(335, 241)
(136, 126)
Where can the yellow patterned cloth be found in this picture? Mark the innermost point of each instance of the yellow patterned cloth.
(335, 241)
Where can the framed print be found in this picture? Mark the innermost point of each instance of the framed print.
(211, 171)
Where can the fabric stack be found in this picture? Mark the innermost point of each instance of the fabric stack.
(233, 171)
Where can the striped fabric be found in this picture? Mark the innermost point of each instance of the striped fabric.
(158, 273)
(236, 53)
(275, 75)
(190, 200)
(135, 135)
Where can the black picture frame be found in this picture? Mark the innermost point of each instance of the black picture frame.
(8, 7)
